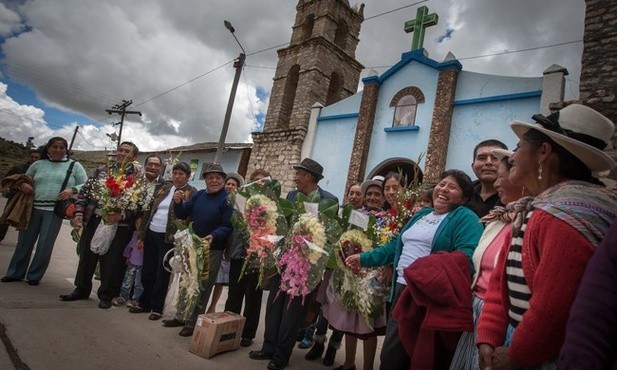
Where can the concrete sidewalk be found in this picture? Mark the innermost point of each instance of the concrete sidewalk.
(50, 334)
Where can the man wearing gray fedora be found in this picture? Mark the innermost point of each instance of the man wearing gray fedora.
(285, 313)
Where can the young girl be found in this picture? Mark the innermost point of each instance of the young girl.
(132, 277)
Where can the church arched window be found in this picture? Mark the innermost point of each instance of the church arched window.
(405, 112)
(289, 96)
(340, 37)
(334, 88)
(307, 28)
(405, 104)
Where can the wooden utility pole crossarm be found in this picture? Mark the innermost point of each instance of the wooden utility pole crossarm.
(121, 110)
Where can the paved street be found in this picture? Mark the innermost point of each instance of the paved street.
(49, 334)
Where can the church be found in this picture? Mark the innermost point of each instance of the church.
(421, 116)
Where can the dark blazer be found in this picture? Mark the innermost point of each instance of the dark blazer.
(291, 196)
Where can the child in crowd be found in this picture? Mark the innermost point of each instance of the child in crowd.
(132, 277)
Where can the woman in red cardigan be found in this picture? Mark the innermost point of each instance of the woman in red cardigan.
(532, 288)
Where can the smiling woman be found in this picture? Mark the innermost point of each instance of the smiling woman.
(530, 295)
(448, 227)
(47, 176)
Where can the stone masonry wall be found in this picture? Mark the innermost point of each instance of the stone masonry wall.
(364, 129)
(440, 128)
(598, 85)
(277, 152)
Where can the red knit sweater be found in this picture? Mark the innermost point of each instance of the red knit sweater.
(554, 258)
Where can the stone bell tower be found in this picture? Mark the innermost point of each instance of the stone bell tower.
(318, 66)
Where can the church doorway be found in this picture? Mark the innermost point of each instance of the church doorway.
(410, 169)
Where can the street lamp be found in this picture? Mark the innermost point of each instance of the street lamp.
(238, 64)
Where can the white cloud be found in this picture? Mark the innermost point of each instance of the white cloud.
(85, 56)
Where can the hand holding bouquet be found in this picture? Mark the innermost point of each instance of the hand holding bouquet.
(261, 217)
(118, 193)
(358, 290)
(194, 254)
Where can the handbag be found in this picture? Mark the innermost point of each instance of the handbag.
(65, 208)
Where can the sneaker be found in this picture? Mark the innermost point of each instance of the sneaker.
(118, 301)
(306, 343)
(132, 303)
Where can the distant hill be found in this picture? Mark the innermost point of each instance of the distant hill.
(12, 153)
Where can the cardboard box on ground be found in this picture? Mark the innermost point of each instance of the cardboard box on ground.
(217, 332)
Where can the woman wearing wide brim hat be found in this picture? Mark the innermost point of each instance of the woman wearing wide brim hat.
(553, 236)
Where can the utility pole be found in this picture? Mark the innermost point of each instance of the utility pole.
(238, 64)
(68, 151)
(121, 110)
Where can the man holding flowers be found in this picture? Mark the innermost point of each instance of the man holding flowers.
(89, 211)
(210, 213)
(284, 313)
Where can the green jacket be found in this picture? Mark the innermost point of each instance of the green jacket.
(460, 230)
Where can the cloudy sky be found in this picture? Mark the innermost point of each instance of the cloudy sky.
(63, 62)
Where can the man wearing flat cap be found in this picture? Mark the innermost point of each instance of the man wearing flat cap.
(210, 213)
(285, 313)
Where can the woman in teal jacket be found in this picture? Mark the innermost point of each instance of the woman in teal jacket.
(447, 226)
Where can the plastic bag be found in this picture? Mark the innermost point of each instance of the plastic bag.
(170, 308)
(103, 236)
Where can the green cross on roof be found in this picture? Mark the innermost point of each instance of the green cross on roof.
(418, 25)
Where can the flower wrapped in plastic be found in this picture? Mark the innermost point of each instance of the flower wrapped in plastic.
(392, 221)
(119, 193)
(261, 218)
(192, 259)
(115, 194)
(363, 290)
(304, 261)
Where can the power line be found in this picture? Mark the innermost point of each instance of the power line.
(521, 50)
(184, 83)
(395, 10)
(500, 53)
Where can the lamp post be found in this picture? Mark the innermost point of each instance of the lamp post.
(238, 64)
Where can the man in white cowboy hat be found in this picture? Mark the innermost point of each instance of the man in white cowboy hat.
(284, 315)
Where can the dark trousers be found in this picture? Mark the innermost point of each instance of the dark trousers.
(4, 228)
(284, 314)
(322, 328)
(246, 289)
(112, 263)
(154, 278)
(393, 354)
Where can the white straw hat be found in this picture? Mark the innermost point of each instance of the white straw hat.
(580, 130)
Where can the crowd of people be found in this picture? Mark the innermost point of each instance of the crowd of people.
(515, 270)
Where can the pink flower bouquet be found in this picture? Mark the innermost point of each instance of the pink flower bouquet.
(304, 260)
(261, 216)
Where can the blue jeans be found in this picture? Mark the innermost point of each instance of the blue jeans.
(132, 280)
(44, 226)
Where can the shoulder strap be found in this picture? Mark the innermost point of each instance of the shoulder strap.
(68, 174)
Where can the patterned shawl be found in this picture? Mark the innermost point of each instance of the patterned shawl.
(588, 208)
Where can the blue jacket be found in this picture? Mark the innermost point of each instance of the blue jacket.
(460, 230)
(211, 215)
